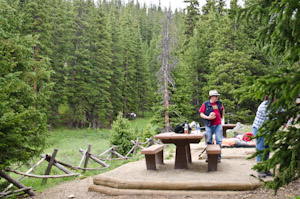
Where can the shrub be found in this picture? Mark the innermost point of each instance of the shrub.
(147, 132)
(121, 135)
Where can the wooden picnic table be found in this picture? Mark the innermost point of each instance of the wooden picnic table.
(182, 142)
(227, 126)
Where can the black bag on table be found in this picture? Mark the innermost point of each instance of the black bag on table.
(180, 128)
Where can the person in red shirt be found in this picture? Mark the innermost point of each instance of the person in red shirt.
(212, 112)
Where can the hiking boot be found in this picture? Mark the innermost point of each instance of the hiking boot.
(261, 174)
(268, 173)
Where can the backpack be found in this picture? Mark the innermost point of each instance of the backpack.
(180, 128)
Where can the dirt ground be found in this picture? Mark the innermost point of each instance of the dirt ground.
(78, 189)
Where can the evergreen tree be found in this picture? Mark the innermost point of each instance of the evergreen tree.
(209, 6)
(143, 81)
(128, 38)
(117, 78)
(121, 135)
(143, 23)
(22, 121)
(36, 22)
(78, 70)
(98, 99)
(191, 18)
(61, 45)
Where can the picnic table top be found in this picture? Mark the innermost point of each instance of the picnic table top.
(176, 136)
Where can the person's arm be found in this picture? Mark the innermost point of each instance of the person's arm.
(210, 117)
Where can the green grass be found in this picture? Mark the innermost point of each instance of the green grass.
(141, 123)
(171, 149)
(68, 142)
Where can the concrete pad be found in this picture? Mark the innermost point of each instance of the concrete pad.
(115, 192)
(233, 174)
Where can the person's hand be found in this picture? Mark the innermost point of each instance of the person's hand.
(211, 116)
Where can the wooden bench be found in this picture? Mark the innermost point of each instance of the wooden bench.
(153, 155)
(213, 151)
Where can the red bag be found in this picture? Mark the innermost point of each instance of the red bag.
(248, 136)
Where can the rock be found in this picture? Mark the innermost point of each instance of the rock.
(71, 196)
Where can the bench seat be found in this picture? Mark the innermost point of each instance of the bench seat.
(153, 155)
(213, 152)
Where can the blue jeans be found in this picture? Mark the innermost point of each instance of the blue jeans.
(218, 131)
(260, 146)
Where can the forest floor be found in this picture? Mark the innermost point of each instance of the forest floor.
(79, 188)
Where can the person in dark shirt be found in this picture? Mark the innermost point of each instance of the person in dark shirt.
(212, 112)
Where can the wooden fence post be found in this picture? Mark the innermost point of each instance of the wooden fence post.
(136, 145)
(87, 156)
(50, 164)
(17, 184)
(83, 156)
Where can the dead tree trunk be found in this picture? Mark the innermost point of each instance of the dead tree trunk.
(167, 64)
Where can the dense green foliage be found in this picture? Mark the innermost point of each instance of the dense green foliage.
(22, 117)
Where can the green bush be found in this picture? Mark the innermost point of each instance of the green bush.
(121, 134)
(147, 133)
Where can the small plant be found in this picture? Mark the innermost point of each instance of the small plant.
(147, 132)
(121, 134)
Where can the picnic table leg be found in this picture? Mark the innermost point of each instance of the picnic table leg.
(224, 132)
(212, 162)
(160, 157)
(181, 160)
(150, 161)
(188, 153)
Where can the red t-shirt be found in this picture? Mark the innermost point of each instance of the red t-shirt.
(217, 120)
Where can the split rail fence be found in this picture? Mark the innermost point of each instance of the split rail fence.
(110, 154)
